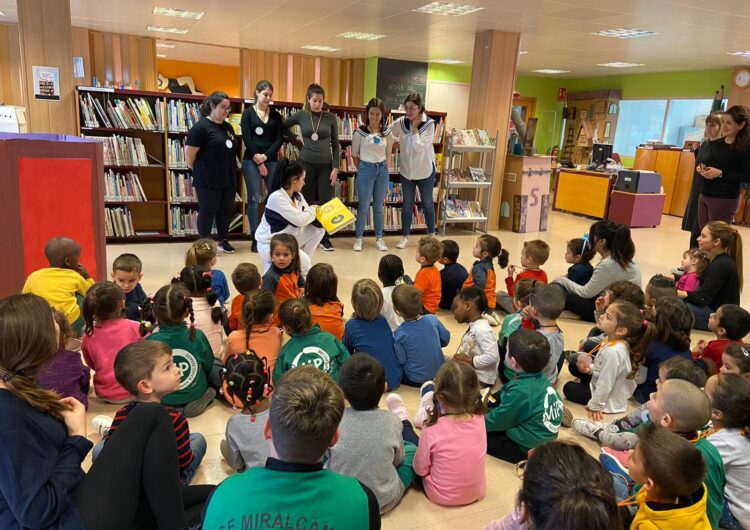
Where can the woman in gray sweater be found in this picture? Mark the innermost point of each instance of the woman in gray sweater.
(613, 243)
(321, 153)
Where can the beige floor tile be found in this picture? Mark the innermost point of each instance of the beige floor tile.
(658, 250)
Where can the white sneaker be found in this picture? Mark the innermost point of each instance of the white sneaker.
(425, 407)
(380, 244)
(358, 244)
(403, 243)
(101, 425)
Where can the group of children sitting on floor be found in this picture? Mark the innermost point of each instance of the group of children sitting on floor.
(681, 457)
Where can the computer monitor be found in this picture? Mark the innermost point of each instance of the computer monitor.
(599, 154)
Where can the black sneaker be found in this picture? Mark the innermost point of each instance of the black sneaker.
(254, 246)
(226, 248)
(326, 244)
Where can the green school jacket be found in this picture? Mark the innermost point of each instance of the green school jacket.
(317, 348)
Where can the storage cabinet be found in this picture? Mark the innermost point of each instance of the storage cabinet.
(676, 167)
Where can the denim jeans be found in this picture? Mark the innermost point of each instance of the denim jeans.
(372, 185)
(701, 315)
(408, 188)
(254, 189)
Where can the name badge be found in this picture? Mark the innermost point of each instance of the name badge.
(259, 131)
(229, 144)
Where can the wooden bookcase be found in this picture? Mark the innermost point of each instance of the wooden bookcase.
(154, 218)
(602, 106)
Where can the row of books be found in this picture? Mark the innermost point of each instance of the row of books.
(181, 187)
(346, 190)
(118, 222)
(471, 137)
(460, 209)
(391, 219)
(122, 187)
(181, 115)
(122, 150)
(469, 174)
(176, 153)
(348, 123)
(185, 222)
(347, 162)
(289, 151)
(130, 113)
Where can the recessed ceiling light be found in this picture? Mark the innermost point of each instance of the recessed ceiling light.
(320, 48)
(446, 8)
(361, 36)
(160, 55)
(180, 13)
(625, 33)
(447, 61)
(2, 14)
(166, 29)
(746, 53)
(618, 64)
(165, 45)
(551, 71)
(522, 52)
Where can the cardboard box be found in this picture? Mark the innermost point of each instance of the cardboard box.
(524, 204)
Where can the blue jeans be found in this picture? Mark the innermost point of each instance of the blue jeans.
(728, 520)
(408, 188)
(197, 444)
(372, 185)
(254, 190)
(700, 314)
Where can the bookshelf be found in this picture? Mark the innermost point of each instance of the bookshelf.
(149, 194)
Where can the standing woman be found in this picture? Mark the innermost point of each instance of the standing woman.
(726, 166)
(415, 133)
(721, 282)
(371, 143)
(711, 133)
(211, 152)
(321, 152)
(262, 129)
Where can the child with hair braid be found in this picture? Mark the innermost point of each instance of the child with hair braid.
(257, 332)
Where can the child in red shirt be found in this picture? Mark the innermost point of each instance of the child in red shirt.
(246, 279)
(730, 323)
(533, 255)
(427, 280)
(321, 286)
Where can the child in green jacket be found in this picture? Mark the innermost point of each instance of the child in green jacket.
(527, 411)
(308, 344)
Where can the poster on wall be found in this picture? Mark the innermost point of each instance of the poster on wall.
(46, 82)
(397, 79)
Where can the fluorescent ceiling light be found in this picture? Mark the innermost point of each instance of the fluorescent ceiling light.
(165, 45)
(746, 53)
(180, 13)
(625, 33)
(551, 71)
(320, 48)
(166, 29)
(618, 64)
(446, 8)
(361, 36)
(447, 61)
(160, 55)
(2, 14)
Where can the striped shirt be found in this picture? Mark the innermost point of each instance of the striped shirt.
(181, 432)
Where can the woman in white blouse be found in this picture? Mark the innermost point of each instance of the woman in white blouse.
(415, 134)
(371, 143)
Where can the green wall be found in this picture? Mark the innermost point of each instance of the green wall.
(371, 78)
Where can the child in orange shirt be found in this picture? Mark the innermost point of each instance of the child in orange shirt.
(284, 277)
(482, 273)
(246, 279)
(321, 286)
(427, 280)
(257, 332)
(533, 255)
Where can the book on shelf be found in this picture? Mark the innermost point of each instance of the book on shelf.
(181, 187)
(92, 111)
(471, 137)
(185, 222)
(461, 209)
(470, 174)
(182, 115)
(348, 123)
(234, 120)
(347, 162)
(346, 189)
(334, 215)
(134, 113)
(176, 148)
(118, 222)
(123, 187)
(391, 219)
(122, 150)
(477, 174)
(289, 151)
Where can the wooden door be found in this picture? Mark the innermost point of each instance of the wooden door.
(666, 166)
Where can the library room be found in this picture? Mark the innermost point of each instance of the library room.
(229, 195)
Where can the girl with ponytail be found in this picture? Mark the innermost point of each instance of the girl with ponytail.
(206, 309)
(613, 243)
(257, 333)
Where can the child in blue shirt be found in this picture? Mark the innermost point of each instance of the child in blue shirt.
(578, 254)
(420, 339)
(204, 253)
(368, 331)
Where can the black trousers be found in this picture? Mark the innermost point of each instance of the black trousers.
(502, 447)
(577, 392)
(317, 187)
(135, 481)
(583, 307)
(215, 204)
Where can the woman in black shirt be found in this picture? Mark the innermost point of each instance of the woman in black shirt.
(211, 152)
(262, 134)
(725, 166)
(721, 282)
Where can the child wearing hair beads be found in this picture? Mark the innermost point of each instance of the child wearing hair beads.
(192, 354)
(257, 332)
(321, 286)
(614, 369)
(206, 310)
(246, 279)
(203, 253)
(736, 360)
(478, 345)
(247, 384)
(284, 277)
(390, 274)
(730, 414)
(694, 263)
(308, 344)
(578, 253)
(368, 332)
(106, 332)
(451, 452)
(482, 273)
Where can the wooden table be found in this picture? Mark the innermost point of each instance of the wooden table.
(583, 192)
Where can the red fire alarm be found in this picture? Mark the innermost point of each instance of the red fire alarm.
(562, 94)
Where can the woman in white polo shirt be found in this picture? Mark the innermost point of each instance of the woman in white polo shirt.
(415, 134)
(371, 143)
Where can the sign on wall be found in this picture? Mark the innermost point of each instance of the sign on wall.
(46, 82)
(397, 79)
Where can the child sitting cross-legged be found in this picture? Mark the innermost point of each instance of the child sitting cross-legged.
(246, 279)
(533, 255)
(257, 333)
(321, 286)
(420, 339)
(730, 323)
(527, 411)
(370, 447)
(247, 386)
(578, 254)
(452, 275)
(303, 421)
(427, 279)
(478, 345)
(146, 370)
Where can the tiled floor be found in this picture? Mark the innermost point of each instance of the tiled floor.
(658, 250)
